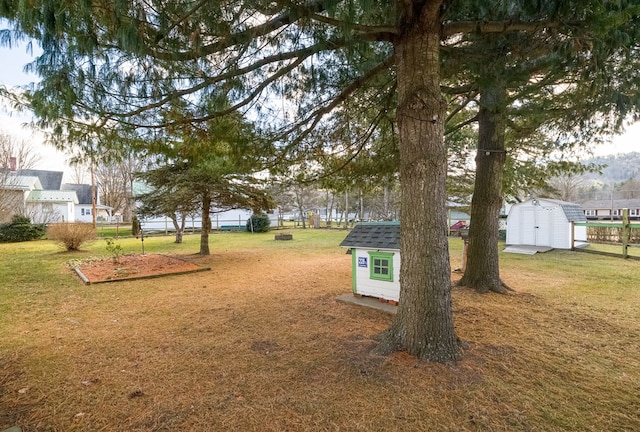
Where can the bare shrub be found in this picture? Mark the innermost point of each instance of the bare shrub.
(71, 235)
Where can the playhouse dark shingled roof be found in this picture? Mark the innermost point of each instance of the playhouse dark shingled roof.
(374, 235)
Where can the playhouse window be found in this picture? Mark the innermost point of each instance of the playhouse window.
(381, 267)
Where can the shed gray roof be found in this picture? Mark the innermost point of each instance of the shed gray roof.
(50, 180)
(574, 212)
(374, 235)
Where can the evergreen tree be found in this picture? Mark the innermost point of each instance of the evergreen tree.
(539, 77)
(139, 68)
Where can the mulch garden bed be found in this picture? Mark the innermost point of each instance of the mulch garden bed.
(128, 267)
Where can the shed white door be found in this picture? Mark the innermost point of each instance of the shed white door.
(537, 226)
(544, 223)
(528, 226)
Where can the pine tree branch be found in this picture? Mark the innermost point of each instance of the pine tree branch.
(465, 27)
(316, 115)
(379, 33)
(470, 98)
(244, 36)
(298, 55)
(160, 36)
(458, 90)
(461, 125)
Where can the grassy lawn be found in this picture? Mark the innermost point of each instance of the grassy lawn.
(259, 343)
(632, 250)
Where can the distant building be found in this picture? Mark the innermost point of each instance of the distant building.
(84, 209)
(41, 196)
(611, 209)
(545, 222)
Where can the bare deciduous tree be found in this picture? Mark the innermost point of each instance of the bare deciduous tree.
(566, 186)
(12, 147)
(11, 195)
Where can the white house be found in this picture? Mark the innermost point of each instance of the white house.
(44, 206)
(84, 208)
(221, 220)
(227, 220)
(375, 258)
(545, 222)
(36, 194)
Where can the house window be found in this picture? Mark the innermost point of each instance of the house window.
(590, 212)
(633, 212)
(381, 267)
(81, 212)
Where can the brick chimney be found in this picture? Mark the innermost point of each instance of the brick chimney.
(13, 163)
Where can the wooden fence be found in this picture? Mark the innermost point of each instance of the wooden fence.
(622, 233)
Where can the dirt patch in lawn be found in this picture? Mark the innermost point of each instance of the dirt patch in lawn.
(133, 267)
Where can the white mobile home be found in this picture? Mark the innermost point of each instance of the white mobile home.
(375, 258)
(545, 222)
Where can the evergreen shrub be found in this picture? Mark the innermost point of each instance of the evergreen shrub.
(20, 229)
(135, 226)
(259, 223)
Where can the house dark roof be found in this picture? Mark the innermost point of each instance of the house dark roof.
(83, 191)
(617, 204)
(374, 235)
(50, 180)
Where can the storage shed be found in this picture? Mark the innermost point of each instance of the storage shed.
(375, 258)
(545, 222)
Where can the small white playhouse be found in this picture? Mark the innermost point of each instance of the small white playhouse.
(375, 258)
(546, 223)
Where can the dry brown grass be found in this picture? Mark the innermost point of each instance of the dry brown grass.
(260, 344)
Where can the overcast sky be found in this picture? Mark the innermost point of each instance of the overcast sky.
(12, 74)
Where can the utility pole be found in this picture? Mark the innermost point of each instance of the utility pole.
(93, 196)
(611, 213)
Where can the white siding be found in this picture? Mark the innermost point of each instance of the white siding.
(375, 288)
(544, 224)
(580, 233)
(218, 221)
(49, 212)
(560, 229)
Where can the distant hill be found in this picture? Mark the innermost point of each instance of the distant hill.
(620, 167)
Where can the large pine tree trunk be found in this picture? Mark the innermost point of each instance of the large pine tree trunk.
(482, 271)
(423, 325)
(206, 225)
